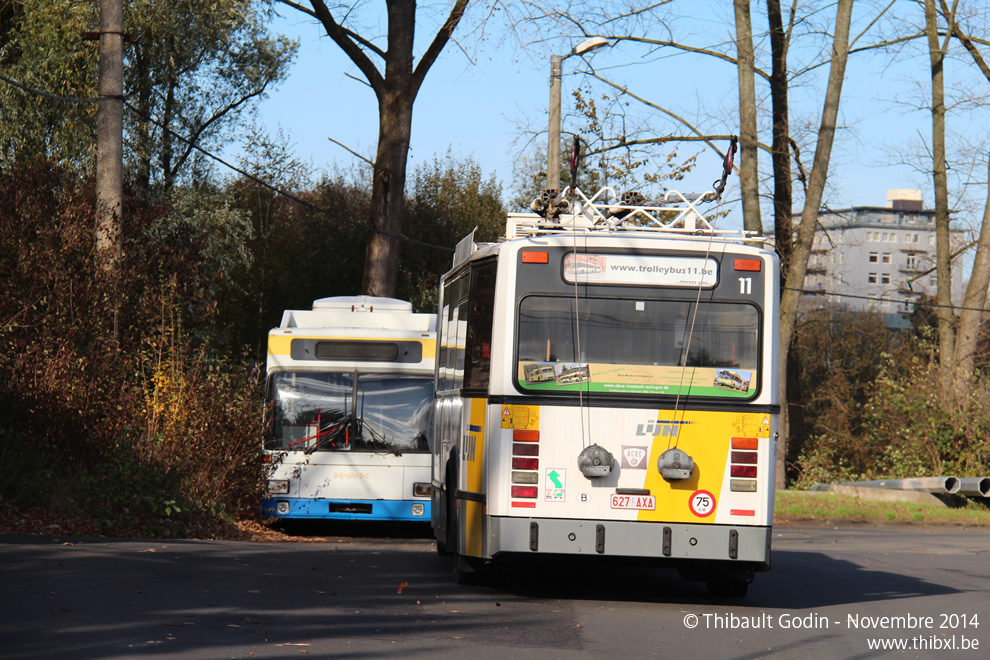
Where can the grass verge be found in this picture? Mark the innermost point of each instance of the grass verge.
(796, 506)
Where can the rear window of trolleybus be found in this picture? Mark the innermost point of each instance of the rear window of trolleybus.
(637, 346)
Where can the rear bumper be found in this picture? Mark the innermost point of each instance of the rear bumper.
(674, 541)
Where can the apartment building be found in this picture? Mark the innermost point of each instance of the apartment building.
(879, 258)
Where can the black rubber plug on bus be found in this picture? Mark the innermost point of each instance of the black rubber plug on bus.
(674, 464)
(595, 461)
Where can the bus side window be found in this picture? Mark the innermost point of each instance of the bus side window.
(479, 329)
(442, 345)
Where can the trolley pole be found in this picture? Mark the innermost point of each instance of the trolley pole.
(110, 134)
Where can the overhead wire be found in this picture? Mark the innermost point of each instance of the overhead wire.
(333, 217)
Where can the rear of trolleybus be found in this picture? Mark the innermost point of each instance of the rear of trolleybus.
(607, 386)
(348, 411)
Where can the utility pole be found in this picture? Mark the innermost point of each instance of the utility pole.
(553, 142)
(556, 69)
(110, 134)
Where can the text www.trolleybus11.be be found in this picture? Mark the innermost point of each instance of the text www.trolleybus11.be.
(925, 633)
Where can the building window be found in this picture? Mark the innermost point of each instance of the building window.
(912, 262)
(884, 239)
(874, 256)
(886, 257)
(869, 235)
(884, 278)
(872, 278)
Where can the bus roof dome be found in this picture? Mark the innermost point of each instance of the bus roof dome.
(362, 304)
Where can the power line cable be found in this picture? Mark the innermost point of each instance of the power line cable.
(922, 303)
(57, 97)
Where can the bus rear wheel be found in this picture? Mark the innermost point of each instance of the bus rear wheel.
(442, 532)
(728, 588)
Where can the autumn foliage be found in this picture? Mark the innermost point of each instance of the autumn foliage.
(113, 406)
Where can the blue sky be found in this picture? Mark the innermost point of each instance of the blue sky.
(478, 109)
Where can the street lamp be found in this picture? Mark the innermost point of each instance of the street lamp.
(553, 146)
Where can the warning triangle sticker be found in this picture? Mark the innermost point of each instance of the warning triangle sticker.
(505, 411)
(766, 420)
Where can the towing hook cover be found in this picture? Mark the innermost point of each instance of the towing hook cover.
(674, 464)
(595, 461)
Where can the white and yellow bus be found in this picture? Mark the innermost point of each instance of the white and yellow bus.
(607, 386)
(348, 411)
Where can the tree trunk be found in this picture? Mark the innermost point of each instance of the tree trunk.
(798, 266)
(110, 135)
(971, 314)
(780, 155)
(943, 249)
(396, 91)
(381, 268)
(749, 172)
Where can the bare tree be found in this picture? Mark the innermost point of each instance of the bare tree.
(396, 82)
(943, 260)
(971, 315)
(780, 149)
(749, 168)
(790, 297)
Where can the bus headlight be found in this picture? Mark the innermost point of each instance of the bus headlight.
(282, 507)
(278, 486)
(418, 509)
(421, 490)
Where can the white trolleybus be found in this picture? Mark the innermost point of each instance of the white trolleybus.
(607, 386)
(348, 411)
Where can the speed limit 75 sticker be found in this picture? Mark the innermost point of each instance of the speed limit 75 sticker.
(702, 503)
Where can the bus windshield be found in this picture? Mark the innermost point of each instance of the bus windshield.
(348, 412)
(638, 346)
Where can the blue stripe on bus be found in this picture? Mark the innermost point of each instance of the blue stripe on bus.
(319, 509)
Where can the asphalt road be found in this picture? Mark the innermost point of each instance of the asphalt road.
(375, 596)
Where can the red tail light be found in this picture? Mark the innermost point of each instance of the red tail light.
(745, 457)
(748, 471)
(525, 465)
(519, 463)
(525, 491)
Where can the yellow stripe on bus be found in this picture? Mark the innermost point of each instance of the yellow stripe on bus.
(473, 526)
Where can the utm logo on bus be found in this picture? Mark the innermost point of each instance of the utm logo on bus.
(660, 428)
(468, 448)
